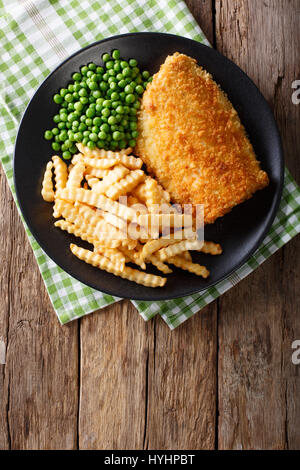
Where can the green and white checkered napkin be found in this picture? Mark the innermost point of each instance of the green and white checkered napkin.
(35, 36)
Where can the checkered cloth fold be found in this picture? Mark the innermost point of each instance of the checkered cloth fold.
(35, 36)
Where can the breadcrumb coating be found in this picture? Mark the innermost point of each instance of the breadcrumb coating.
(192, 140)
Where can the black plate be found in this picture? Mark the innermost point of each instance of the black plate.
(240, 232)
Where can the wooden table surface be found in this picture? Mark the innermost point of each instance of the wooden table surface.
(225, 378)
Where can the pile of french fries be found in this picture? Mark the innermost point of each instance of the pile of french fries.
(105, 198)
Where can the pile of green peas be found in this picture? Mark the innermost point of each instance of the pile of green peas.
(99, 108)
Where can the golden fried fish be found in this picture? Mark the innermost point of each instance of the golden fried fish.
(192, 140)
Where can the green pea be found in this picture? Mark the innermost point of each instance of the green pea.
(69, 98)
(117, 135)
(119, 76)
(55, 131)
(92, 66)
(82, 127)
(76, 77)
(109, 64)
(139, 89)
(124, 64)
(105, 112)
(84, 70)
(97, 121)
(104, 128)
(100, 144)
(92, 99)
(48, 135)
(122, 144)
(106, 103)
(133, 125)
(55, 146)
(111, 120)
(137, 104)
(78, 106)
(63, 135)
(105, 57)
(129, 89)
(132, 143)
(126, 72)
(86, 133)
(71, 87)
(93, 86)
(84, 99)
(85, 140)
(116, 54)
(56, 118)
(73, 149)
(57, 139)
(91, 144)
(134, 134)
(122, 84)
(61, 125)
(78, 136)
(120, 110)
(58, 99)
(77, 87)
(130, 98)
(83, 92)
(97, 94)
(66, 155)
(145, 74)
(88, 122)
(70, 106)
(102, 135)
(90, 113)
(127, 110)
(134, 72)
(63, 92)
(99, 70)
(117, 67)
(103, 86)
(93, 137)
(133, 63)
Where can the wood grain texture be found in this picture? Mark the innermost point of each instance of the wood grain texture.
(224, 378)
(182, 384)
(39, 395)
(259, 319)
(115, 344)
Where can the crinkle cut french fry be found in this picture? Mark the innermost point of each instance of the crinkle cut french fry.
(211, 248)
(112, 219)
(125, 185)
(114, 175)
(159, 264)
(140, 192)
(165, 220)
(76, 175)
(90, 171)
(133, 257)
(154, 245)
(100, 201)
(189, 266)
(91, 180)
(113, 254)
(153, 194)
(100, 153)
(179, 247)
(101, 262)
(91, 224)
(60, 172)
(47, 185)
(74, 230)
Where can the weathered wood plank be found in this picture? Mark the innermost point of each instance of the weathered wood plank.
(115, 344)
(258, 321)
(182, 384)
(39, 396)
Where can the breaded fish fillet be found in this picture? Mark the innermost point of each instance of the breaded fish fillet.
(192, 140)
